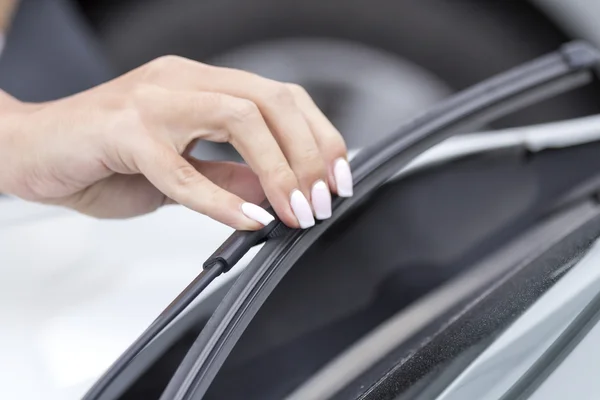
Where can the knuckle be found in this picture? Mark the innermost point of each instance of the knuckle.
(186, 177)
(141, 91)
(211, 100)
(311, 167)
(166, 62)
(161, 65)
(281, 94)
(297, 90)
(311, 156)
(146, 97)
(202, 101)
(282, 176)
(336, 147)
(242, 110)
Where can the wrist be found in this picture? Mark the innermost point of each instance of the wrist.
(12, 116)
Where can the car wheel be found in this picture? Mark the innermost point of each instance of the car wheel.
(368, 65)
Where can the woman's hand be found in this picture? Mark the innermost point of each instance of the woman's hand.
(121, 149)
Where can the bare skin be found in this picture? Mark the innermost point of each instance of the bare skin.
(7, 10)
(121, 149)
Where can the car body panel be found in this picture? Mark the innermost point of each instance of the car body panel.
(48, 253)
(509, 357)
(570, 380)
(76, 291)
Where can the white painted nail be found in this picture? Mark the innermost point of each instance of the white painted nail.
(321, 200)
(302, 209)
(257, 213)
(343, 178)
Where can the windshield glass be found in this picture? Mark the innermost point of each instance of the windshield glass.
(413, 236)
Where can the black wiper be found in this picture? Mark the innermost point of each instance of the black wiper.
(491, 99)
(552, 74)
(527, 84)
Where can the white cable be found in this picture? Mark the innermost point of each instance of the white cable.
(534, 138)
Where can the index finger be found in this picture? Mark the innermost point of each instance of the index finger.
(179, 180)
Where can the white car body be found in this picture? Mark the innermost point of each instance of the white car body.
(75, 291)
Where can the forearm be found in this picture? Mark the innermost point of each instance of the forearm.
(9, 106)
(12, 114)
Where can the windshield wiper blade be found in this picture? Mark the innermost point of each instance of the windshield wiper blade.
(529, 83)
(511, 91)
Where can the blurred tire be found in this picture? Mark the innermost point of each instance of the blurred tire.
(448, 45)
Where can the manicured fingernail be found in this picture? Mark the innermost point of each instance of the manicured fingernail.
(302, 209)
(257, 213)
(343, 178)
(321, 200)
